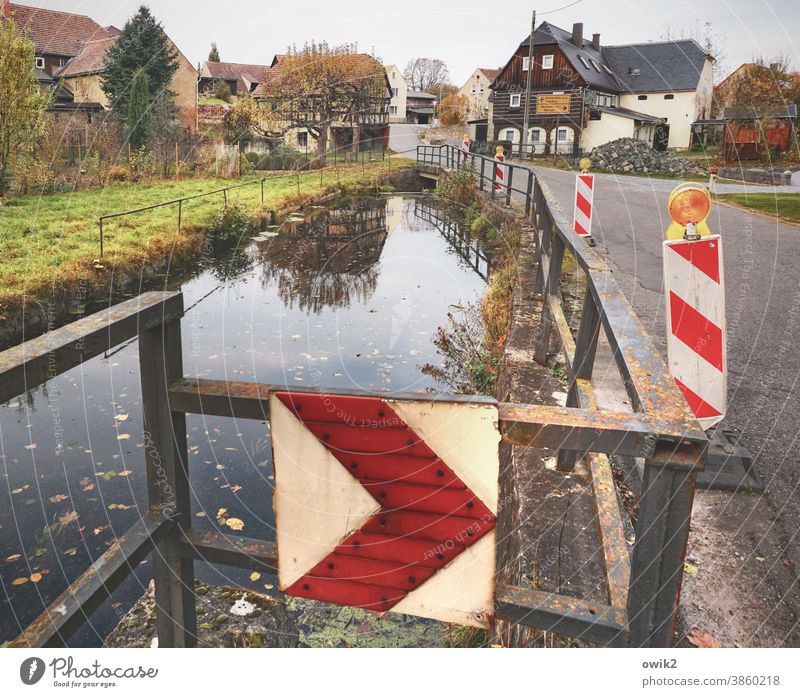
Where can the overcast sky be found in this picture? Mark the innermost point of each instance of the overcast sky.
(465, 33)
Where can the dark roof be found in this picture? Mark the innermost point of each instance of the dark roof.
(420, 95)
(664, 66)
(547, 33)
(490, 73)
(90, 59)
(420, 110)
(231, 71)
(57, 33)
(629, 114)
(747, 113)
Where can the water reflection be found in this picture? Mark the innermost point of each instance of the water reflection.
(328, 258)
(347, 296)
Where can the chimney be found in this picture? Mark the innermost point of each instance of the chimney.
(6, 8)
(596, 42)
(577, 34)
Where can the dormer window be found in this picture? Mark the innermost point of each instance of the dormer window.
(547, 62)
(595, 66)
(584, 61)
(40, 62)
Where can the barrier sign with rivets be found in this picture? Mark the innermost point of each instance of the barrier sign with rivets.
(387, 504)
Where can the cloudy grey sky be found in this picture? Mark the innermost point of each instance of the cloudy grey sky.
(464, 33)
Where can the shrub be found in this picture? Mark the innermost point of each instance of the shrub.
(117, 174)
(222, 90)
(141, 165)
(34, 177)
(231, 222)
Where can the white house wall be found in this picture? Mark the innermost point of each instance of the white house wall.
(397, 81)
(608, 128)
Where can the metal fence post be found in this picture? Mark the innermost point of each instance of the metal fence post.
(262, 188)
(180, 215)
(581, 369)
(662, 530)
(101, 237)
(160, 364)
(493, 184)
(483, 162)
(528, 194)
(510, 169)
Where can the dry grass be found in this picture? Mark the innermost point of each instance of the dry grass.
(51, 242)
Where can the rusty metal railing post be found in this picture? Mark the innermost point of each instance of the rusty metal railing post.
(528, 194)
(101, 238)
(493, 185)
(160, 364)
(180, 215)
(662, 530)
(582, 367)
(510, 169)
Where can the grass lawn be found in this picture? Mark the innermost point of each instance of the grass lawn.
(49, 242)
(781, 205)
(202, 100)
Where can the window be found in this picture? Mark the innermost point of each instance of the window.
(595, 66)
(526, 64)
(607, 69)
(562, 135)
(394, 75)
(302, 139)
(547, 62)
(395, 91)
(40, 62)
(393, 110)
(642, 98)
(515, 100)
(510, 134)
(62, 62)
(669, 96)
(583, 60)
(473, 90)
(481, 89)
(535, 135)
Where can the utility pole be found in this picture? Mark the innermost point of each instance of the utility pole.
(527, 118)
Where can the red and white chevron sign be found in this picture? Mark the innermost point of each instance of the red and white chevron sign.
(584, 201)
(387, 504)
(696, 337)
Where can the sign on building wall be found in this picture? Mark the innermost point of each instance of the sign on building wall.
(387, 504)
(552, 103)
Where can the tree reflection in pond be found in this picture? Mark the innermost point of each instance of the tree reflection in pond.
(327, 259)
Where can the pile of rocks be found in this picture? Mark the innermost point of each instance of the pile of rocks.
(630, 155)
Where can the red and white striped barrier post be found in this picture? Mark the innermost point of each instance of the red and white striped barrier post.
(465, 148)
(694, 284)
(584, 202)
(498, 168)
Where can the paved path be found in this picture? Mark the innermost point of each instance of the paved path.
(404, 138)
(762, 260)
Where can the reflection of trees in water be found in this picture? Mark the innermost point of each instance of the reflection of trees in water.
(327, 260)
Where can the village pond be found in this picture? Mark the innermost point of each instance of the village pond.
(346, 296)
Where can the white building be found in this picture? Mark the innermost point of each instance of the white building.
(397, 107)
(477, 89)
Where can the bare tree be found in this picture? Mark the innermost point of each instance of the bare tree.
(709, 39)
(422, 73)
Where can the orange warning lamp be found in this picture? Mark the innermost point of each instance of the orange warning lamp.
(689, 206)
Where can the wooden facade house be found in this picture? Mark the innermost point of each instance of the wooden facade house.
(584, 94)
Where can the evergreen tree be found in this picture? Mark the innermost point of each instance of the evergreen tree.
(141, 45)
(139, 112)
(213, 54)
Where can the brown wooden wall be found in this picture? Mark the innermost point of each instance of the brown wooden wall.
(562, 74)
(505, 116)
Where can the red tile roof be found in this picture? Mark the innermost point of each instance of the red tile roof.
(57, 33)
(232, 71)
(490, 73)
(90, 59)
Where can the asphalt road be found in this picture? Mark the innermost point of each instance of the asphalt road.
(762, 275)
(404, 138)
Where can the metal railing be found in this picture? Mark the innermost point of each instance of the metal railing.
(642, 592)
(296, 174)
(672, 441)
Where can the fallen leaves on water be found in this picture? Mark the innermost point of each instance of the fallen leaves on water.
(58, 498)
(122, 417)
(120, 507)
(255, 576)
(690, 569)
(71, 552)
(13, 557)
(702, 640)
(35, 578)
(124, 436)
(235, 523)
(32, 446)
(19, 581)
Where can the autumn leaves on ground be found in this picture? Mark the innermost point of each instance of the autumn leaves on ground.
(50, 243)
